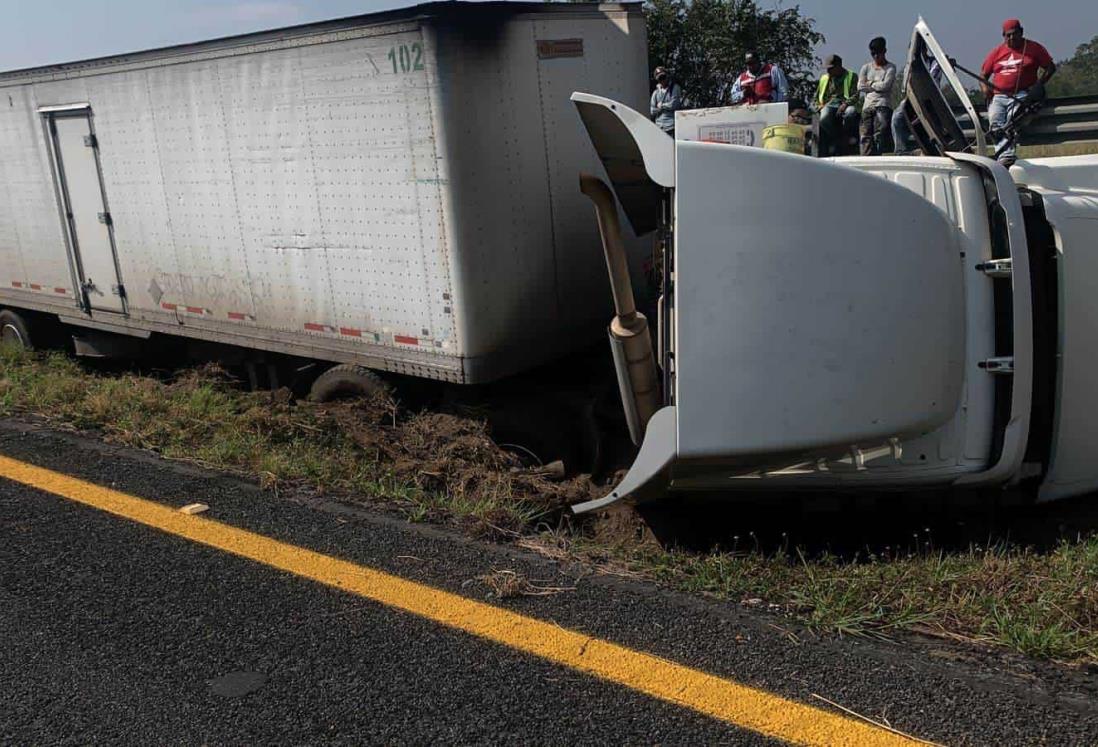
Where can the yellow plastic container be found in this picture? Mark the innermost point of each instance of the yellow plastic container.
(784, 137)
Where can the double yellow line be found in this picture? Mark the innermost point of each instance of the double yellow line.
(742, 706)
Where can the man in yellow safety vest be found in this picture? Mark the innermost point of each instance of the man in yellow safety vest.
(837, 102)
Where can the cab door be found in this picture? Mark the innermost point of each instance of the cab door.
(931, 89)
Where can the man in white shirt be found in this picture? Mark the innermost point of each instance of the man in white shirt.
(875, 82)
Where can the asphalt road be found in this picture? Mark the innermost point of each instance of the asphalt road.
(116, 632)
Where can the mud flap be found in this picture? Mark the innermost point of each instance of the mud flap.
(650, 474)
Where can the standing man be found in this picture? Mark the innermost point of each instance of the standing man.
(875, 81)
(760, 83)
(666, 100)
(1014, 71)
(837, 102)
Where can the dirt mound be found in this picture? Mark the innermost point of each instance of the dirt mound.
(455, 456)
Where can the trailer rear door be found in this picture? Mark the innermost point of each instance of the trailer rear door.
(84, 206)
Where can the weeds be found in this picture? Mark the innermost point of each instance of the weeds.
(427, 465)
(1042, 605)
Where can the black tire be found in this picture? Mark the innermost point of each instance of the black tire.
(347, 381)
(538, 430)
(14, 330)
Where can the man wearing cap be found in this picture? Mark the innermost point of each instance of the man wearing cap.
(1014, 71)
(875, 81)
(760, 83)
(837, 102)
(666, 100)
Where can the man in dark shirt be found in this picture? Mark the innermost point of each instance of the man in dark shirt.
(1014, 71)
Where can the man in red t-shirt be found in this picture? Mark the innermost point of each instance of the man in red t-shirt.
(1015, 70)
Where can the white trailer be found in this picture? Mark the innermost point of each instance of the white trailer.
(863, 323)
(396, 190)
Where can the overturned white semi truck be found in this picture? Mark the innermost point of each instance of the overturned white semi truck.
(858, 323)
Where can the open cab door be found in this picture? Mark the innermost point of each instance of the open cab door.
(932, 92)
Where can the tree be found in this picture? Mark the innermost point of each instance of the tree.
(1078, 75)
(703, 43)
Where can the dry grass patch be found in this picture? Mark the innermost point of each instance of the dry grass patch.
(506, 584)
(1067, 149)
(427, 464)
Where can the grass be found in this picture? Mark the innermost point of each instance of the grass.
(1042, 604)
(200, 416)
(1067, 149)
(1039, 604)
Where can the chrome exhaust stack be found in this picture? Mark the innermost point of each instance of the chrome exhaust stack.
(630, 342)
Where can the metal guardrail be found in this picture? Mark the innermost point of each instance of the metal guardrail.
(1063, 120)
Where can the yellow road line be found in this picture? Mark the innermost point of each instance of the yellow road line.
(743, 706)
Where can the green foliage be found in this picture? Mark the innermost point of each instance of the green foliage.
(1077, 76)
(703, 43)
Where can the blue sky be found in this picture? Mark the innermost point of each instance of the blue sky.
(37, 32)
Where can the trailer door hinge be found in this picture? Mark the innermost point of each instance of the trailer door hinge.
(91, 141)
(1003, 365)
(105, 218)
(997, 268)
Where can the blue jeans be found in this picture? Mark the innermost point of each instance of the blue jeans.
(901, 133)
(835, 134)
(999, 112)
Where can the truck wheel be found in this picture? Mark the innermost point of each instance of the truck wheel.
(14, 330)
(538, 432)
(346, 381)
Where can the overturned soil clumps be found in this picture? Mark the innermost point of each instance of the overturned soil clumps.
(454, 456)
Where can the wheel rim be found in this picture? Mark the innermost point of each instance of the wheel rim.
(525, 455)
(10, 335)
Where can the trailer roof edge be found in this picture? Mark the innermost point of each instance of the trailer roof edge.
(422, 11)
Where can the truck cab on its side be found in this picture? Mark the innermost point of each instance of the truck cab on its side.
(863, 323)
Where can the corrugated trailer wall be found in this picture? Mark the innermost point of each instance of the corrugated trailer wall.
(295, 193)
(519, 150)
(292, 190)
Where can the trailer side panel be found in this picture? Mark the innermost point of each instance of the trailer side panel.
(518, 150)
(289, 193)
